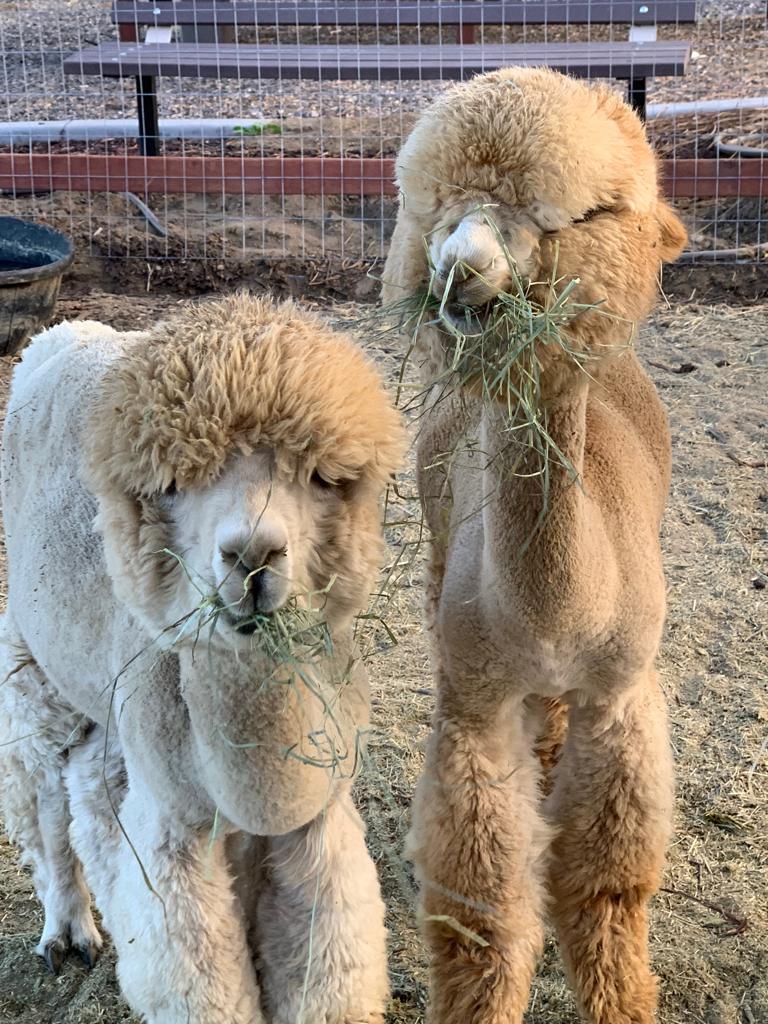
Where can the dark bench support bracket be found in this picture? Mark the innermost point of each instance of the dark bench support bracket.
(637, 95)
(149, 124)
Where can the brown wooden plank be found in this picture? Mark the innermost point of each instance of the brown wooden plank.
(185, 174)
(714, 179)
(25, 172)
(405, 12)
(128, 33)
(342, 62)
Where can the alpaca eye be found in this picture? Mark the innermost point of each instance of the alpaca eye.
(344, 488)
(591, 214)
(321, 482)
(170, 490)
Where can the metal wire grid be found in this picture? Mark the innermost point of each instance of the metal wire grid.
(332, 118)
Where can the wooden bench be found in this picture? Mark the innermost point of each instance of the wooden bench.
(208, 29)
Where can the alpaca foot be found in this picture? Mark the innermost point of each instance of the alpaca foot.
(54, 953)
(78, 936)
(89, 953)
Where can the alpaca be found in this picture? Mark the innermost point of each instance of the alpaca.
(172, 500)
(535, 614)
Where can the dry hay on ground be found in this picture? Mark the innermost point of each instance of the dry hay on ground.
(709, 939)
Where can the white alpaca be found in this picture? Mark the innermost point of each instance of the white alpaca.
(232, 462)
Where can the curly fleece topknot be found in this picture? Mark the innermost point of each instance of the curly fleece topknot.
(228, 375)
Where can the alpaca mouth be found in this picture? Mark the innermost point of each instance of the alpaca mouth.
(465, 320)
(246, 625)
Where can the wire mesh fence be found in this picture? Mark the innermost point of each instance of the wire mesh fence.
(279, 119)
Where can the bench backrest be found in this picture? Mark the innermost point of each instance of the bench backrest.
(402, 12)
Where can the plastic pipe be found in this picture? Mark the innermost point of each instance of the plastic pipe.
(22, 133)
(15, 133)
(706, 107)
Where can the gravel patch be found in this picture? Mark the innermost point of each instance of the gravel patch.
(730, 59)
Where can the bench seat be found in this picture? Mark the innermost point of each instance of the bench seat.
(404, 12)
(623, 60)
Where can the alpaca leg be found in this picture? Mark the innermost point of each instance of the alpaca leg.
(19, 811)
(36, 814)
(321, 924)
(613, 805)
(166, 900)
(478, 842)
(35, 805)
(551, 717)
(246, 857)
(68, 919)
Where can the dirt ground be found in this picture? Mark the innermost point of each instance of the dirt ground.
(313, 246)
(709, 938)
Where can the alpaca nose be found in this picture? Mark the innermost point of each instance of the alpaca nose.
(255, 579)
(449, 277)
(475, 262)
(470, 263)
(253, 562)
(251, 552)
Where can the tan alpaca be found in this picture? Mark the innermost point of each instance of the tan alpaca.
(522, 617)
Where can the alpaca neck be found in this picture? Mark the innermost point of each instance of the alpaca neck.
(269, 739)
(537, 527)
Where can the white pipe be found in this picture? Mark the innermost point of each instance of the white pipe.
(744, 252)
(22, 133)
(706, 107)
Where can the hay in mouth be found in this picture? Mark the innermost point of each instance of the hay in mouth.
(504, 351)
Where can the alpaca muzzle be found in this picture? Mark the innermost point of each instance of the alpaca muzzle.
(252, 569)
(477, 260)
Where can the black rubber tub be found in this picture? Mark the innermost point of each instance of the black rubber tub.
(32, 261)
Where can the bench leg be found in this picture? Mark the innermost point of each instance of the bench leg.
(637, 95)
(149, 125)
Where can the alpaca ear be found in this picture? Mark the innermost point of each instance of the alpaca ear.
(134, 535)
(406, 267)
(672, 232)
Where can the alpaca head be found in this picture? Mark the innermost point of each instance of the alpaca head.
(238, 454)
(260, 536)
(530, 166)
